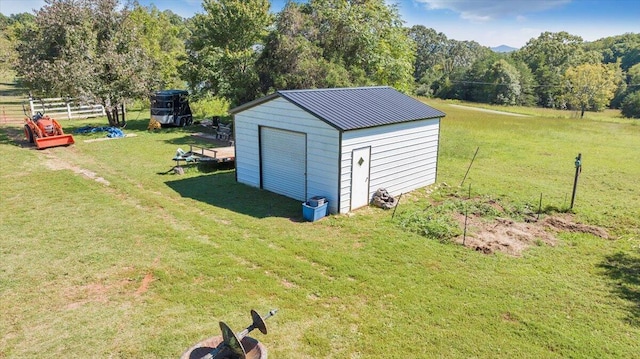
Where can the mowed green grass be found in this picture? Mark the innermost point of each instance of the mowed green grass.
(103, 256)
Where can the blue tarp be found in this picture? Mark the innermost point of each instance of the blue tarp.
(113, 132)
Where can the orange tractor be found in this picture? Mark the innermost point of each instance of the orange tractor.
(44, 131)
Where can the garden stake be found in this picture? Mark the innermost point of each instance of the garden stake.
(470, 164)
(578, 164)
(464, 237)
(540, 206)
(396, 207)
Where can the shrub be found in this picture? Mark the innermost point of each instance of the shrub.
(431, 222)
(631, 105)
(208, 107)
(138, 105)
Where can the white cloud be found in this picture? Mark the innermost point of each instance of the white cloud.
(485, 10)
(466, 15)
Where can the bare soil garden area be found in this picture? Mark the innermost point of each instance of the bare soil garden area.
(512, 237)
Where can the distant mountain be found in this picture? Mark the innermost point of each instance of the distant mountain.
(503, 48)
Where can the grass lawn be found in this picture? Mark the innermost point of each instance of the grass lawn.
(102, 255)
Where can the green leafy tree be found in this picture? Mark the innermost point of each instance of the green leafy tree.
(163, 35)
(10, 30)
(86, 49)
(327, 43)
(631, 105)
(507, 89)
(633, 75)
(548, 57)
(7, 52)
(622, 48)
(476, 84)
(630, 97)
(4, 21)
(6, 47)
(431, 49)
(631, 83)
(442, 65)
(591, 86)
(291, 60)
(367, 36)
(527, 82)
(224, 48)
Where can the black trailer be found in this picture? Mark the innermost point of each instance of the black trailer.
(171, 108)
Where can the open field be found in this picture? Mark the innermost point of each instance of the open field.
(105, 256)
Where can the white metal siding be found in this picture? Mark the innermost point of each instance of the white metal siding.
(322, 146)
(403, 157)
(283, 157)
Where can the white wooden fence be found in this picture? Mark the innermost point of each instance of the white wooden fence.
(65, 107)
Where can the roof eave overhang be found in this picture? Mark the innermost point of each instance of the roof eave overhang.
(253, 103)
(395, 123)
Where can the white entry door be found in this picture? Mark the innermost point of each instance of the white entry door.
(360, 161)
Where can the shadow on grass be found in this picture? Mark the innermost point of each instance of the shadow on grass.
(221, 190)
(13, 136)
(188, 139)
(13, 91)
(207, 141)
(137, 124)
(624, 271)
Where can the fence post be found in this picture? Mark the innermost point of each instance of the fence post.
(31, 106)
(68, 101)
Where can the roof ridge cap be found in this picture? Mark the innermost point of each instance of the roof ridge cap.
(333, 89)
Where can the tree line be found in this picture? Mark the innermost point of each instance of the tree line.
(238, 50)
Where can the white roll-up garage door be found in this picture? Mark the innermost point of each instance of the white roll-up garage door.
(283, 161)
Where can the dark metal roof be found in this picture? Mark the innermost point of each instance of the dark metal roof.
(354, 108)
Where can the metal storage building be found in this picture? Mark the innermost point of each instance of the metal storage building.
(342, 144)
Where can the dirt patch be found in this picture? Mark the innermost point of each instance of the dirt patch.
(511, 237)
(57, 164)
(287, 284)
(144, 286)
(558, 223)
(93, 294)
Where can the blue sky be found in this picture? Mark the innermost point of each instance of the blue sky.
(489, 22)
